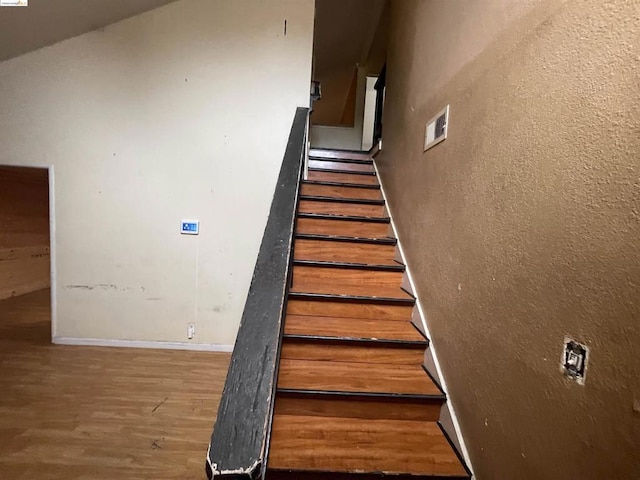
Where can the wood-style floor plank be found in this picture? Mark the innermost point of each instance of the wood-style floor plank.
(331, 444)
(339, 208)
(337, 327)
(341, 228)
(96, 413)
(340, 192)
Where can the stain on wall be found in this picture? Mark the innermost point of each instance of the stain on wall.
(524, 225)
(24, 231)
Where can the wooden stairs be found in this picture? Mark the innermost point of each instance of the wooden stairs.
(353, 399)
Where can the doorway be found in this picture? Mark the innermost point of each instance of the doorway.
(25, 258)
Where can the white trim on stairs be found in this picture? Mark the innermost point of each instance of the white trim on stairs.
(423, 318)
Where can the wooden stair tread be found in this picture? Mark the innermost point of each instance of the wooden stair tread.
(342, 199)
(327, 164)
(340, 191)
(348, 239)
(364, 291)
(327, 250)
(355, 377)
(391, 267)
(341, 228)
(350, 155)
(356, 445)
(334, 207)
(340, 177)
(335, 277)
(336, 308)
(342, 217)
(336, 327)
(369, 172)
(342, 184)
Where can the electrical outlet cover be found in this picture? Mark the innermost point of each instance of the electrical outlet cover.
(574, 360)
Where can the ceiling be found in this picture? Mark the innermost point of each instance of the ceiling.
(45, 22)
(345, 31)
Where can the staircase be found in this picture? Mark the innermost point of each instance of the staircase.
(352, 397)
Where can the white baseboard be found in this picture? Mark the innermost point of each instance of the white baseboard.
(101, 342)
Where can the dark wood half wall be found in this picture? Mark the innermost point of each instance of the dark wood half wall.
(24, 230)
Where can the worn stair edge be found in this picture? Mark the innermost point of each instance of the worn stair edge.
(350, 265)
(341, 238)
(341, 184)
(359, 201)
(386, 342)
(441, 397)
(349, 172)
(278, 474)
(352, 298)
(353, 218)
(340, 150)
(340, 160)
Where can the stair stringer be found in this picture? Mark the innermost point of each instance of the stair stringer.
(448, 419)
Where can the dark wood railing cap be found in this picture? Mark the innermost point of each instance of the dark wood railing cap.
(239, 439)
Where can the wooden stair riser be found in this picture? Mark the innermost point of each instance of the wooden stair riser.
(339, 154)
(340, 192)
(304, 277)
(355, 378)
(335, 208)
(341, 166)
(366, 352)
(332, 251)
(330, 308)
(342, 228)
(427, 410)
(355, 328)
(342, 177)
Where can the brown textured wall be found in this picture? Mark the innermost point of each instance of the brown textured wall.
(24, 230)
(523, 226)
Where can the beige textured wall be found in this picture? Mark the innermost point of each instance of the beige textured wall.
(181, 112)
(523, 226)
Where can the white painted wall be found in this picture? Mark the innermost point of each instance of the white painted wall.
(345, 138)
(369, 117)
(181, 112)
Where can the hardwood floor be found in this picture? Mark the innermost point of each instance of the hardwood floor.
(100, 413)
